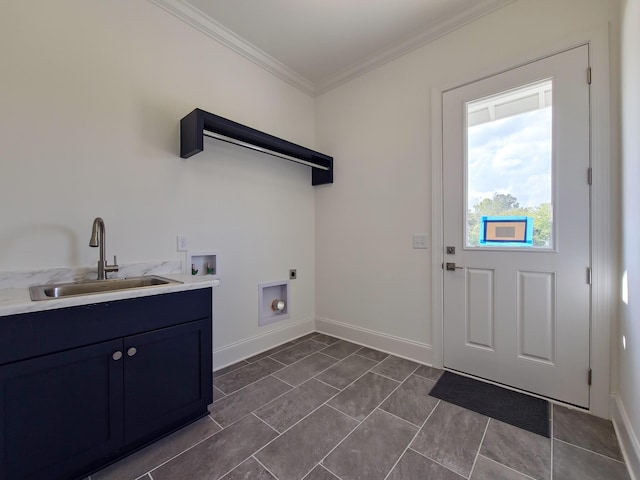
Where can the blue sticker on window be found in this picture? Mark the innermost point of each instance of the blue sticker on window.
(514, 231)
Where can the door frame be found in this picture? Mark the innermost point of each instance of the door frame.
(604, 225)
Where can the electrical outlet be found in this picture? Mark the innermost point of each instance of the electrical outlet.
(293, 274)
(182, 243)
(420, 240)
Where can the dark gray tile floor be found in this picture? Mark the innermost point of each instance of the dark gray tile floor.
(320, 408)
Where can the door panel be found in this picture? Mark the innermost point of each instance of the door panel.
(536, 316)
(516, 209)
(166, 378)
(480, 307)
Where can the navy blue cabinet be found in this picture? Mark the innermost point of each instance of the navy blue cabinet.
(141, 370)
(60, 411)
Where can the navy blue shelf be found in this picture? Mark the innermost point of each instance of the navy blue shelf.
(194, 126)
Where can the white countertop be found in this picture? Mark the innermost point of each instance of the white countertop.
(17, 300)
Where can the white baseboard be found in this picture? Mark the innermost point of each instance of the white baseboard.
(401, 347)
(248, 347)
(626, 436)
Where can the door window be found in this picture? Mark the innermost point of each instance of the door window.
(509, 169)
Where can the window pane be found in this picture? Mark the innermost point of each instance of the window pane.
(509, 168)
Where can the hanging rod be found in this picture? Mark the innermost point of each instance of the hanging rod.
(240, 143)
(198, 124)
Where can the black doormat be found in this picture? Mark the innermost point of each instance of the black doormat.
(518, 409)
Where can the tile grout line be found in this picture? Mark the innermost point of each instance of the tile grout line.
(313, 376)
(283, 381)
(285, 393)
(252, 383)
(389, 378)
(551, 434)
(296, 423)
(214, 421)
(339, 391)
(327, 384)
(337, 358)
(264, 405)
(263, 466)
(272, 428)
(506, 466)
(435, 461)
(400, 418)
(326, 403)
(223, 394)
(363, 420)
(378, 361)
(427, 457)
(484, 434)
(341, 412)
(590, 451)
(412, 440)
(270, 352)
(253, 454)
(328, 470)
(184, 451)
(284, 365)
(303, 418)
(221, 477)
(427, 378)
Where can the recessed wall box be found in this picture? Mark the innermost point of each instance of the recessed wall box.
(202, 263)
(273, 302)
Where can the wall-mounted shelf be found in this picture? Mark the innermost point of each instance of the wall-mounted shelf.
(198, 124)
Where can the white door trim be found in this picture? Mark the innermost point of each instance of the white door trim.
(604, 227)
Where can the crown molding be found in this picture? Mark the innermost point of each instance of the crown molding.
(205, 24)
(480, 9)
(194, 17)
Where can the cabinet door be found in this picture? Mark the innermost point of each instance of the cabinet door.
(60, 412)
(167, 378)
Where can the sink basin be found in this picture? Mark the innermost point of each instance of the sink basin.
(63, 290)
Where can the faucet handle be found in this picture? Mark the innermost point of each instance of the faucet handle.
(111, 268)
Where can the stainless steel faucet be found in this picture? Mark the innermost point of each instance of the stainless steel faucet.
(98, 238)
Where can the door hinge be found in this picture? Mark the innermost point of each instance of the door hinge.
(589, 375)
(589, 75)
(588, 275)
(589, 175)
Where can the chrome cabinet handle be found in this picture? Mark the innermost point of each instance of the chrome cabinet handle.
(132, 351)
(117, 355)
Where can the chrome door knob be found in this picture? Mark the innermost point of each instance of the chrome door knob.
(132, 351)
(117, 355)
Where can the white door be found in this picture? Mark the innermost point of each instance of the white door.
(516, 227)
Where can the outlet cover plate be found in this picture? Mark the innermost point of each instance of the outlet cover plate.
(182, 243)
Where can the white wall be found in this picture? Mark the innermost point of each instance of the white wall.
(91, 94)
(378, 127)
(629, 380)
